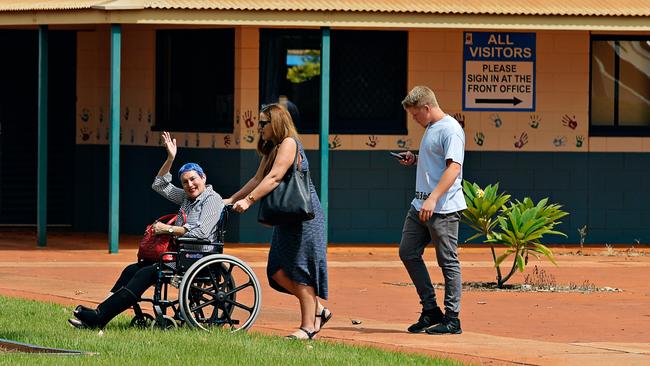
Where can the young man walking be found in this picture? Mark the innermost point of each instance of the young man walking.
(435, 211)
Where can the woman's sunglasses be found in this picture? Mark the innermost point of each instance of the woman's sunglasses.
(264, 122)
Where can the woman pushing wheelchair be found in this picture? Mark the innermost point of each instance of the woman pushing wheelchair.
(198, 214)
(297, 262)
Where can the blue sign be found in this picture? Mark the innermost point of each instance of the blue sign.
(499, 71)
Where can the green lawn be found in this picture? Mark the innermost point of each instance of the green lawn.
(45, 325)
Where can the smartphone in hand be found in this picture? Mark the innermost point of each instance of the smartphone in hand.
(398, 156)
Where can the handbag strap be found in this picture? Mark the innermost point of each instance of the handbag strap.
(295, 158)
(171, 218)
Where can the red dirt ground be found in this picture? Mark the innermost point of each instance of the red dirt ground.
(499, 327)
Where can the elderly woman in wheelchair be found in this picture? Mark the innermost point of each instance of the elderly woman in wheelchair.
(209, 292)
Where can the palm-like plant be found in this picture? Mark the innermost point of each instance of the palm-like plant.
(520, 225)
(481, 213)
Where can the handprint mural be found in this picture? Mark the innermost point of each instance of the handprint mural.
(249, 119)
(335, 143)
(522, 140)
(372, 141)
(479, 138)
(569, 121)
(460, 118)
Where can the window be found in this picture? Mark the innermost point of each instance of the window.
(290, 67)
(368, 78)
(620, 86)
(369, 70)
(195, 80)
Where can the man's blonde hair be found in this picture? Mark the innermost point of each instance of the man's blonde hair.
(419, 97)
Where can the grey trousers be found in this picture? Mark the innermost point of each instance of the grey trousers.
(442, 229)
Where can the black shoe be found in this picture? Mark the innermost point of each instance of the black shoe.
(448, 325)
(107, 310)
(428, 318)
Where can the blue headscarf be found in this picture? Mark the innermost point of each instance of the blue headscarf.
(190, 166)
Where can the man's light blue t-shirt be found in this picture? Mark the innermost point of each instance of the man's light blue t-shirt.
(442, 140)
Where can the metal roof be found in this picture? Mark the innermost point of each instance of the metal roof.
(606, 8)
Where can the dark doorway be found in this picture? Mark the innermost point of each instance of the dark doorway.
(18, 126)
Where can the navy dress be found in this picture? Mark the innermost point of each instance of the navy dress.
(300, 249)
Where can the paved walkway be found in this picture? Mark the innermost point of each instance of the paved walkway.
(369, 285)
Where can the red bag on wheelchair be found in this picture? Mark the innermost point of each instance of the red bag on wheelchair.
(152, 246)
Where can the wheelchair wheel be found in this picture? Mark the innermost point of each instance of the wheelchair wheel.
(166, 322)
(220, 291)
(144, 321)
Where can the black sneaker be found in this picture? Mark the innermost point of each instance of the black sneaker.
(447, 326)
(428, 318)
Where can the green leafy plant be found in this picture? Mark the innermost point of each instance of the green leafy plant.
(519, 225)
(483, 205)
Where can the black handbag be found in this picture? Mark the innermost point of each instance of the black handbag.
(290, 202)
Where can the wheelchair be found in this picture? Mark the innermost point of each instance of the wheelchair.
(215, 290)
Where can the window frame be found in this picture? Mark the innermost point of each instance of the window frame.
(341, 127)
(616, 130)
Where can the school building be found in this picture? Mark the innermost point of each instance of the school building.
(554, 97)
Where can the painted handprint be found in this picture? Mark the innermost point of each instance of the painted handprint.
(249, 120)
(226, 140)
(335, 143)
(559, 141)
(523, 140)
(85, 115)
(101, 115)
(460, 118)
(404, 143)
(146, 137)
(250, 136)
(214, 141)
(139, 114)
(132, 137)
(372, 141)
(496, 119)
(535, 119)
(126, 113)
(98, 134)
(197, 140)
(579, 141)
(149, 116)
(85, 133)
(569, 121)
(479, 138)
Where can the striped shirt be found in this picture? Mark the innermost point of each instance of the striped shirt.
(202, 213)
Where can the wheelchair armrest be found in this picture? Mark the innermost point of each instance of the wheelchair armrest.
(182, 240)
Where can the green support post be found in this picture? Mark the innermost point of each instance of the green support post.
(41, 213)
(114, 140)
(325, 124)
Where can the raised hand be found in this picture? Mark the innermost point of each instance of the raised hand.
(170, 145)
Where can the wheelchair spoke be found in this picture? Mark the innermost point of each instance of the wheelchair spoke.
(213, 279)
(201, 306)
(235, 290)
(241, 306)
(202, 290)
